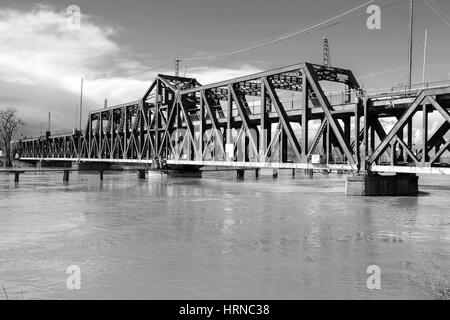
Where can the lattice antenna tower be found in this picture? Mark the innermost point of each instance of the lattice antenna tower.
(177, 67)
(326, 53)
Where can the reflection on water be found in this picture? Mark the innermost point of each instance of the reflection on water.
(215, 238)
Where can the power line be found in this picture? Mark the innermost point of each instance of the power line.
(321, 26)
(283, 38)
(438, 12)
(350, 18)
(440, 9)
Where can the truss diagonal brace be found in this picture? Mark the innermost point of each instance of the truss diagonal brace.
(283, 118)
(408, 150)
(440, 152)
(438, 107)
(398, 126)
(169, 123)
(244, 117)
(326, 107)
(214, 121)
(189, 125)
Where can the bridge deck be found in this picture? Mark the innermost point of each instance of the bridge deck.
(443, 169)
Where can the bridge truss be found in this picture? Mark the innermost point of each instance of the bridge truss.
(282, 118)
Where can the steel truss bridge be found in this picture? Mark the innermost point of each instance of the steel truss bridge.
(282, 118)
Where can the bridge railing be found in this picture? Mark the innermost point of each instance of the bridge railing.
(404, 89)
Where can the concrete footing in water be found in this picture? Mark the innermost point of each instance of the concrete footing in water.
(378, 185)
(184, 172)
(275, 173)
(141, 173)
(91, 166)
(66, 175)
(53, 164)
(309, 172)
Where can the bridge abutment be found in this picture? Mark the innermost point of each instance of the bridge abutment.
(378, 185)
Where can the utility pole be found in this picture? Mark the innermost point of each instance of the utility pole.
(81, 101)
(410, 50)
(177, 67)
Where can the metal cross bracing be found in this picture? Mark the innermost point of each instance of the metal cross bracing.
(282, 118)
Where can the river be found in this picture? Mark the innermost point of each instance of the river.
(217, 237)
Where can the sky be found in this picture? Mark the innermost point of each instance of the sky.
(121, 45)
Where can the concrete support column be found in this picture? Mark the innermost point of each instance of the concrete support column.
(101, 175)
(257, 173)
(141, 173)
(66, 175)
(275, 173)
(240, 174)
(309, 173)
(377, 185)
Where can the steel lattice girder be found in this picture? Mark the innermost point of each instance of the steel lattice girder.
(426, 100)
(142, 130)
(128, 130)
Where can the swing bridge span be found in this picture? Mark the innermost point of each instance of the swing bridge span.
(285, 118)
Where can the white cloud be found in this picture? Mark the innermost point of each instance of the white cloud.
(42, 61)
(38, 45)
(16, 80)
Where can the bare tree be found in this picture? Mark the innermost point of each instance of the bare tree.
(9, 124)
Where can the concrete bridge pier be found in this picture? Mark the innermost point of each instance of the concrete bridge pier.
(275, 173)
(240, 174)
(91, 166)
(373, 184)
(256, 173)
(52, 164)
(17, 176)
(184, 172)
(66, 175)
(309, 173)
(141, 174)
